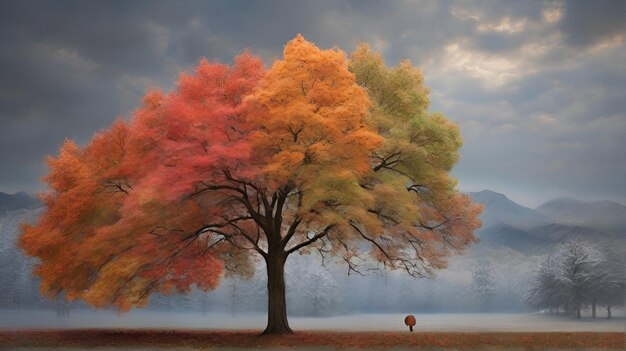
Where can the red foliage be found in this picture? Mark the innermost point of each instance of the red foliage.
(115, 229)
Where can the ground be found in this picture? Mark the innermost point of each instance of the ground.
(321, 340)
(150, 330)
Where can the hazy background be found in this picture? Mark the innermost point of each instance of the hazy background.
(492, 276)
(538, 87)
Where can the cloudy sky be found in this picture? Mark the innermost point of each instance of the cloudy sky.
(538, 88)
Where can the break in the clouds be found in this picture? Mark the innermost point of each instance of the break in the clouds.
(538, 88)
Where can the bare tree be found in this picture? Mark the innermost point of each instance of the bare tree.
(313, 290)
(483, 284)
(580, 264)
(545, 290)
(611, 282)
(581, 274)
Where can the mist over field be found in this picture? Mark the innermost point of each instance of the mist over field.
(326, 297)
(430, 322)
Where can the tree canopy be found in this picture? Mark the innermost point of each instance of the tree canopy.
(319, 153)
(579, 274)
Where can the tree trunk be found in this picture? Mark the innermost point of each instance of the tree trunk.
(608, 311)
(276, 304)
(593, 309)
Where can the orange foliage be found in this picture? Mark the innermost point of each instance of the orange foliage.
(239, 160)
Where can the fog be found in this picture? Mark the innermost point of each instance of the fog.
(481, 290)
(462, 322)
(314, 290)
(326, 298)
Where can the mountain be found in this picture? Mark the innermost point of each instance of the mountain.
(17, 201)
(506, 236)
(507, 224)
(541, 239)
(598, 214)
(556, 232)
(500, 209)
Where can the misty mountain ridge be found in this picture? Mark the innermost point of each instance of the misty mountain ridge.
(506, 236)
(537, 231)
(601, 214)
(501, 209)
(542, 239)
(19, 200)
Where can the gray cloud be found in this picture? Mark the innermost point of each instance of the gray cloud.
(588, 22)
(538, 87)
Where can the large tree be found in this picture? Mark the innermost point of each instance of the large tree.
(611, 282)
(318, 153)
(580, 274)
(546, 289)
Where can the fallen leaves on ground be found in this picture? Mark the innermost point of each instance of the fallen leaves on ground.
(359, 340)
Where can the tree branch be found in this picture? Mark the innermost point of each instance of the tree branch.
(412, 268)
(290, 232)
(311, 240)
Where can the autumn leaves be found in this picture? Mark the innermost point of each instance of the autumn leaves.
(320, 152)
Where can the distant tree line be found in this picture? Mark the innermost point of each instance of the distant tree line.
(579, 275)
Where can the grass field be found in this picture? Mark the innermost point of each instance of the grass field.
(150, 339)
